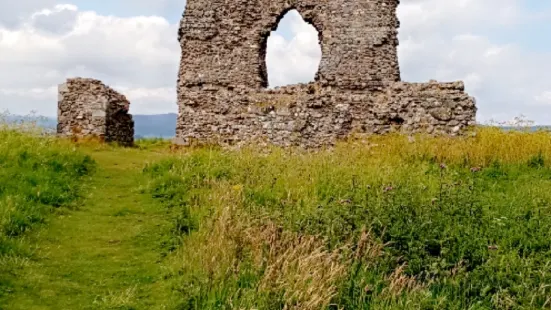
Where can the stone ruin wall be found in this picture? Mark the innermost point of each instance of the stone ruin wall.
(309, 115)
(222, 82)
(88, 108)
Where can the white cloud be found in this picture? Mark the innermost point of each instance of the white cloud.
(59, 20)
(36, 93)
(295, 60)
(137, 53)
(150, 100)
(12, 13)
(543, 98)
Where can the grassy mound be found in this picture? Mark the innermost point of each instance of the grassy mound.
(38, 174)
(397, 223)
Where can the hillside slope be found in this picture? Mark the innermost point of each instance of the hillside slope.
(390, 223)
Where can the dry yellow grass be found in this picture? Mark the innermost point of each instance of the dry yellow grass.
(480, 147)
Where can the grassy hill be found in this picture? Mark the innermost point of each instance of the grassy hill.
(389, 223)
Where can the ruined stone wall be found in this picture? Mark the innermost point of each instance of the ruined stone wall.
(310, 116)
(87, 107)
(222, 82)
(224, 41)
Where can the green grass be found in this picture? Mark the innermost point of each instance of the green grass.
(391, 223)
(431, 224)
(36, 175)
(103, 246)
(39, 176)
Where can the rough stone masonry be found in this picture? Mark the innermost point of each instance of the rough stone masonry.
(222, 85)
(87, 107)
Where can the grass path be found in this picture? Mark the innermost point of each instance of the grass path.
(106, 254)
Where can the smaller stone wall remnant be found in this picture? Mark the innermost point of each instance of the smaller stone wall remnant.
(89, 108)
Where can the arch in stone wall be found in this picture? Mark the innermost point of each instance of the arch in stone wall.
(265, 36)
(223, 74)
(223, 41)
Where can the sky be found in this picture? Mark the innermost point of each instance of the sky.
(501, 49)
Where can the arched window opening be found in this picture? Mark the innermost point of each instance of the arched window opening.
(293, 52)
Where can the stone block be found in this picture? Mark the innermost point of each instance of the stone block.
(87, 107)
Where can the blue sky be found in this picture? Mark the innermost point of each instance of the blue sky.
(499, 48)
(171, 10)
(533, 33)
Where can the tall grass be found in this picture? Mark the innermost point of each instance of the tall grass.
(37, 175)
(393, 222)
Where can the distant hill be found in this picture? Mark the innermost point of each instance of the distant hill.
(157, 125)
(41, 121)
(145, 126)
